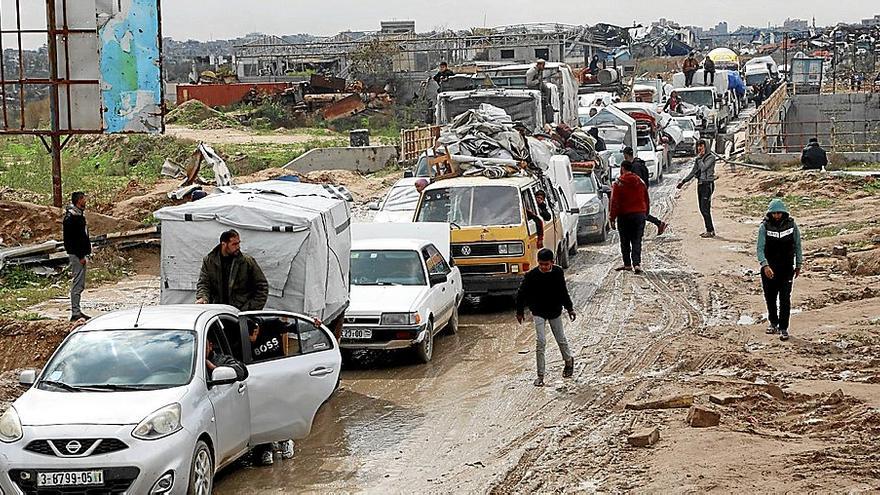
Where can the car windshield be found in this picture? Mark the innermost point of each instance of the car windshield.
(645, 143)
(472, 206)
(755, 79)
(698, 98)
(401, 198)
(685, 124)
(583, 184)
(121, 360)
(381, 267)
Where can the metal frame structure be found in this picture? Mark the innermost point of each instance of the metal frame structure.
(60, 81)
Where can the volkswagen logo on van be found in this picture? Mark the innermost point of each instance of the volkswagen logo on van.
(466, 250)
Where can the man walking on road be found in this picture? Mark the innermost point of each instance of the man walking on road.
(231, 277)
(544, 291)
(779, 252)
(639, 168)
(78, 247)
(629, 207)
(704, 172)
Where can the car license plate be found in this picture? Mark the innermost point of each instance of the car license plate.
(357, 333)
(71, 478)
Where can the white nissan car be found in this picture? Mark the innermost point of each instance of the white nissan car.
(127, 403)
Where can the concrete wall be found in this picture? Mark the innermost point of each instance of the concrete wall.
(364, 160)
(832, 112)
(782, 159)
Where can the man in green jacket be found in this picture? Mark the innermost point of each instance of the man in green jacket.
(231, 277)
(781, 257)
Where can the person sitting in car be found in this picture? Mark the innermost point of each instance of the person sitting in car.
(214, 360)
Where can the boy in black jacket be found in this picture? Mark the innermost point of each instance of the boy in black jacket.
(78, 246)
(544, 291)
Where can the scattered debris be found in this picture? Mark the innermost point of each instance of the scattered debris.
(725, 399)
(838, 251)
(644, 437)
(677, 402)
(702, 417)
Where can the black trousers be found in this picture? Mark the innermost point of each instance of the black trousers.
(778, 288)
(708, 75)
(704, 195)
(631, 229)
(689, 78)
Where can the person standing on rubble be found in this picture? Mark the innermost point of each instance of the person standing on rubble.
(629, 207)
(781, 257)
(689, 67)
(639, 168)
(544, 291)
(78, 247)
(231, 277)
(708, 71)
(535, 80)
(443, 73)
(704, 172)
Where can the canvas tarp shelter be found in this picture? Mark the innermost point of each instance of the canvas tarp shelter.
(298, 233)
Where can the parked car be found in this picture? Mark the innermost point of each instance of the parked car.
(399, 204)
(593, 202)
(127, 404)
(404, 288)
(687, 146)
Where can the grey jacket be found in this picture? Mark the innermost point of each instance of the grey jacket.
(703, 171)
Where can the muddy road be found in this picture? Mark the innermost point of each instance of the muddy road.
(464, 421)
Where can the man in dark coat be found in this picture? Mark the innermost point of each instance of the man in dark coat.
(78, 247)
(813, 156)
(231, 277)
(544, 291)
(639, 168)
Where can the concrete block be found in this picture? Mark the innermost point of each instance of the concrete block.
(702, 417)
(644, 437)
(725, 399)
(360, 159)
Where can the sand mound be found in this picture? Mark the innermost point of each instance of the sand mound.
(27, 223)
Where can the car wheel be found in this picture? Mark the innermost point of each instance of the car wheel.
(452, 326)
(201, 474)
(562, 256)
(573, 251)
(425, 350)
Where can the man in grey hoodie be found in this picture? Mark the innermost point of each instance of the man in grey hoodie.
(781, 257)
(704, 172)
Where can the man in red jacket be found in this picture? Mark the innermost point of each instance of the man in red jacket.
(629, 209)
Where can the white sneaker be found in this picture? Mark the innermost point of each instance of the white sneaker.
(287, 449)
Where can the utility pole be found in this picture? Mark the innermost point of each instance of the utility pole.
(54, 110)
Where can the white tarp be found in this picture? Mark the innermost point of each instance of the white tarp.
(298, 233)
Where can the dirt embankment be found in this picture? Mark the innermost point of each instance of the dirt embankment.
(28, 223)
(801, 415)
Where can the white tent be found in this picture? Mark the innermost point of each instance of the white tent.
(298, 233)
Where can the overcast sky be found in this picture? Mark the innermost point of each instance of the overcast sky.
(218, 19)
(222, 19)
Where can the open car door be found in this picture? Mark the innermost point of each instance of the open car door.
(294, 367)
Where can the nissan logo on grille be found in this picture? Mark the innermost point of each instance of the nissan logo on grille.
(466, 250)
(73, 447)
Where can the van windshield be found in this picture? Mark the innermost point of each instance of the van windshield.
(472, 205)
(698, 98)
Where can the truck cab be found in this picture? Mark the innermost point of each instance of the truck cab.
(494, 231)
(715, 113)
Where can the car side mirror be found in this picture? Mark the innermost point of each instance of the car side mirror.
(223, 375)
(438, 278)
(373, 205)
(27, 378)
(408, 173)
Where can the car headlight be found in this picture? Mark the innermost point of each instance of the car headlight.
(10, 426)
(159, 424)
(401, 319)
(511, 248)
(590, 208)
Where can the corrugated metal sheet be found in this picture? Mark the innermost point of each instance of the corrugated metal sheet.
(220, 95)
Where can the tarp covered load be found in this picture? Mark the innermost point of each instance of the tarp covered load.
(298, 233)
(486, 132)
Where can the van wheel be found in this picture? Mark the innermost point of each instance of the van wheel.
(562, 256)
(425, 350)
(201, 474)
